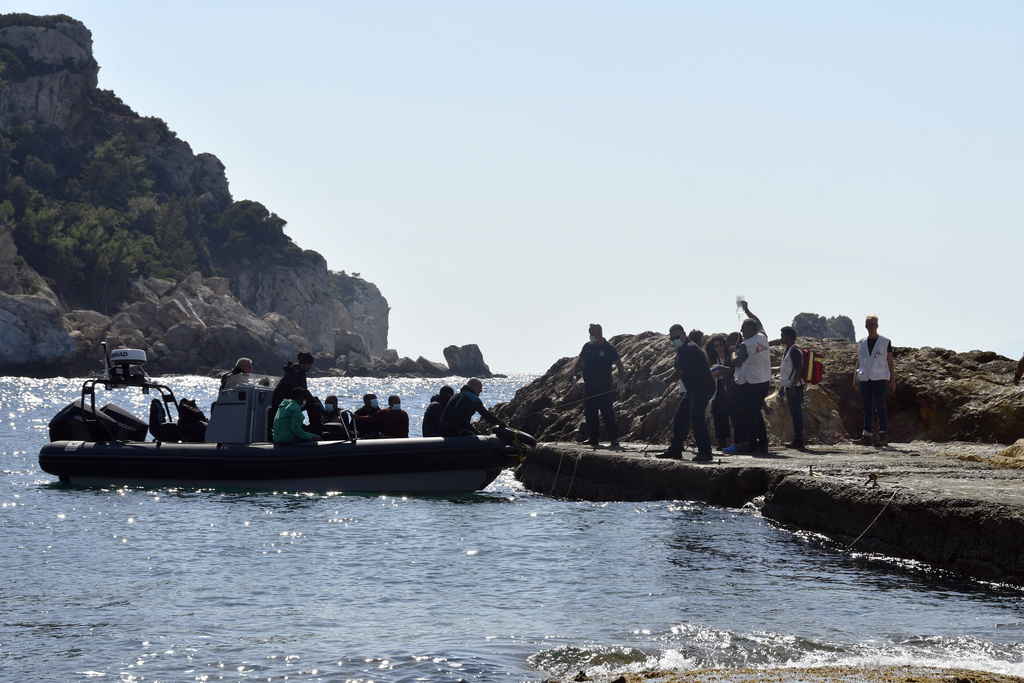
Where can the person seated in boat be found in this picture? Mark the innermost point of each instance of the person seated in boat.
(392, 422)
(460, 409)
(332, 413)
(238, 375)
(370, 406)
(365, 422)
(288, 422)
(432, 416)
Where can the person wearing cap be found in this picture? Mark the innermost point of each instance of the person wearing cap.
(288, 422)
(294, 376)
(392, 422)
(238, 375)
(432, 416)
(460, 409)
(596, 360)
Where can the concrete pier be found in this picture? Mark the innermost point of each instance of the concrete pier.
(944, 504)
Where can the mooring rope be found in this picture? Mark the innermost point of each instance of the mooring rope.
(847, 548)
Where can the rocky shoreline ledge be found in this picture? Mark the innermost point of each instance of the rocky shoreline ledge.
(827, 674)
(958, 507)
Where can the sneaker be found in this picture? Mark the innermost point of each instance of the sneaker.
(882, 441)
(593, 443)
(795, 445)
(864, 440)
(614, 444)
(731, 450)
(703, 457)
(671, 454)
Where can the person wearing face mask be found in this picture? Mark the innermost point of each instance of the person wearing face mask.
(696, 386)
(288, 423)
(365, 417)
(596, 360)
(331, 411)
(392, 422)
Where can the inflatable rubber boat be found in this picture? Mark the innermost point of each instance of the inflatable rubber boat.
(107, 446)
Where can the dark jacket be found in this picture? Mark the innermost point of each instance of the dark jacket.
(392, 424)
(294, 376)
(459, 411)
(432, 416)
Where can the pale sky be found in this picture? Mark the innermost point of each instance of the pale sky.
(508, 172)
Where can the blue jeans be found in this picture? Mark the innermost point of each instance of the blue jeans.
(795, 399)
(872, 395)
(691, 410)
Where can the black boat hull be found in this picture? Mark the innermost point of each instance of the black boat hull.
(433, 466)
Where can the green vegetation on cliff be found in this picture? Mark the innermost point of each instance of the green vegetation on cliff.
(92, 217)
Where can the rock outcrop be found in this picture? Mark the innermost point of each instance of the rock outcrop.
(466, 361)
(940, 396)
(55, 75)
(264, 307)
(819, 327)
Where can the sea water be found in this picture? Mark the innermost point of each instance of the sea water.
(172, 584)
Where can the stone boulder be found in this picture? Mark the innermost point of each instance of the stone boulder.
(466, 361)
(819, 327)
(940, 396)
(32, 336)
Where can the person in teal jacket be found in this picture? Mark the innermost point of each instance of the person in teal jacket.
(288, 426)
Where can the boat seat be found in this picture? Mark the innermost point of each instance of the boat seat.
(159, 427)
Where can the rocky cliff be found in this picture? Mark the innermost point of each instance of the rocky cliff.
(76, 159)
(940, 396)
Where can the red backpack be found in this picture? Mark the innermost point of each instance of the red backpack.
(813, 369)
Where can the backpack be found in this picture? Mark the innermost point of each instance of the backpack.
(813, 369)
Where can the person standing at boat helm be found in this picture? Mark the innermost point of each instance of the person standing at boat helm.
(460, 409)
(243, 366)
(596, 360)
(295, 376)
(288, 422)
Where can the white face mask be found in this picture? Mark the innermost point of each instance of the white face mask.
(593, 339)
(373, 402)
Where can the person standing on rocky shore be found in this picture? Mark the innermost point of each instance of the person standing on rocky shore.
(696, 386)
(724, 404)
(876, 374)
(596, 360)
(1020, 371)
(753, 364)
(791, 384)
